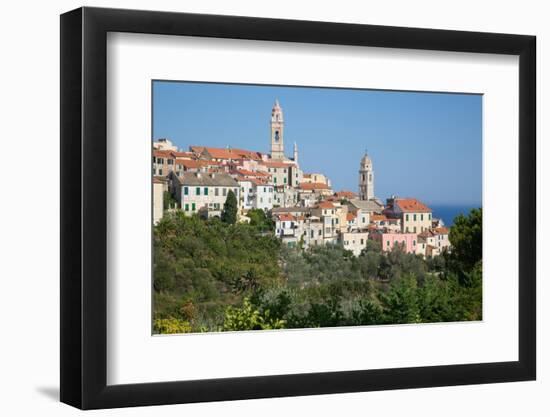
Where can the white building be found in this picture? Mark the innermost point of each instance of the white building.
(264, 196)
(206, 192)
(354, 241)
(247, 196)
(158, 199)
(164, 145)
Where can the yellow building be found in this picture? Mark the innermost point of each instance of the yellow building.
(415, 216)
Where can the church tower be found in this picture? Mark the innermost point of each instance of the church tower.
(366, 179)
(277, 128)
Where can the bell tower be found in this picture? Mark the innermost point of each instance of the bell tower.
(366, 179)
(277, 129)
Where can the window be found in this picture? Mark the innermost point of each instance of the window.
(205, 190)
(170, 162)
(193, 207)
(185, 190)
(160, 171)
(421, 217)
(160, 160)
(216, 191)
(264, 190)
(429, 216)
(387, 243)
(284, 180)
(362, 241)
(275, 180)
(407, 217)
(236, 192)
(414, 242)
(414, 217)
(312, 233)
(224, 192)
(198, 191)
(407, 229)
(187, 207)
(414, 229)
(320, 231)
(261, 199)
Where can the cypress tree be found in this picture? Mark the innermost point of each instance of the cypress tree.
(229, 213)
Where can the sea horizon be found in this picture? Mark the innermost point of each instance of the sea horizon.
(447, 212)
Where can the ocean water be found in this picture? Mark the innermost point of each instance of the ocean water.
(449, 212)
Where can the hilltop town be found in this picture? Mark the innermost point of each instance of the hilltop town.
(305, 209)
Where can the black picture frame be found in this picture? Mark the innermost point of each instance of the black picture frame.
(84, 207)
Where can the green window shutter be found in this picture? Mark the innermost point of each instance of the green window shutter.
(205, 190)
(187, 207)
(198, 191)
(186, 190)
(193, 207)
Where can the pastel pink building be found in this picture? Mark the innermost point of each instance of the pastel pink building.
(407, 241)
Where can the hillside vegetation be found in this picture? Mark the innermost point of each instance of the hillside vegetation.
(218, 276)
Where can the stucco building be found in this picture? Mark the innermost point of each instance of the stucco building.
(196, 191)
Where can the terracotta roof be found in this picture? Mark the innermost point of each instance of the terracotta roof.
(286, 217)
(350, 217)
(378, 218)
(257, 181)
(306, 175)
(412, 205)
(228, 153)
(192, 163)
(314, 186)
(426, 233)
(442, 230)
(159, 180)
(162, 154)
(325, 205)
(183, 154)
(277, 164)
(249, 173)
(345, 194)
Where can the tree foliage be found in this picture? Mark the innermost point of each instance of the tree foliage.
(212, 275)
(466, 239)
(229, 213)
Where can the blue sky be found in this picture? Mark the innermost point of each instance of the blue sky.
(423, 145)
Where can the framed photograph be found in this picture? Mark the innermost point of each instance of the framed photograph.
(258, 208)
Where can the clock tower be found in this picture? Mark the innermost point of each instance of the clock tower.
(277, 128)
